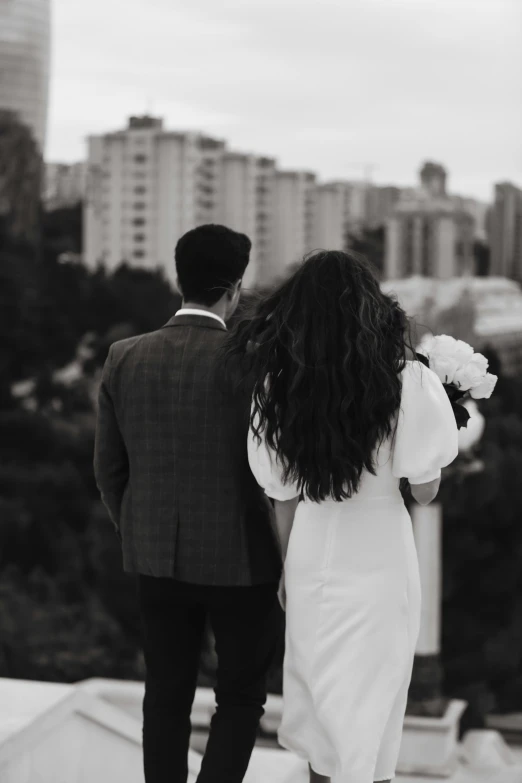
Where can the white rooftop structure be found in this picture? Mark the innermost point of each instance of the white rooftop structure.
(91, 733)
(493, 296)
(497, 304)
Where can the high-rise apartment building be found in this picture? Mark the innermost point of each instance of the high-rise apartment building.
(429, 233)
(361, 206)
(246, 202)
(145, 188)
(264, 250)
(64, 184)
(329, 217)
(479, 212)
(294, 217)
(381, 203)
(237, 201)
(356, 206)
(25, 36)
(506, 232)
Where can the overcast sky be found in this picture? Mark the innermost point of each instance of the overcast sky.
(324, 85)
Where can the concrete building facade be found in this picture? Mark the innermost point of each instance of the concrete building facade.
(429, 233)
(145, 188)
(294, 217)
(246, 202)
(382, 201)
(506, 231)
(329, 219)
(25, 48)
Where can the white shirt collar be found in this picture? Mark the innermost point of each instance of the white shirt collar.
(194, 311)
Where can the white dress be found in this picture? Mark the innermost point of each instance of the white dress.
(353, 596)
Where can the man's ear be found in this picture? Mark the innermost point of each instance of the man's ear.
(234, 290)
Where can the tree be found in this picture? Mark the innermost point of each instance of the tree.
(481, 258)
(20, 182)
(370, 242)
(62, 231)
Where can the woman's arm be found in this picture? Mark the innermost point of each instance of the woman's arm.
(425, 493)
(284, 514)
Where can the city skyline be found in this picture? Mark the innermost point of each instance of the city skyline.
(411, 67)
(146, 185)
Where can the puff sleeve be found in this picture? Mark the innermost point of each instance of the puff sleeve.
(426, 437)
(267, 470)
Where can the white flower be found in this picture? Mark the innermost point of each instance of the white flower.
(444, 366)
(463, 352)
(443, 345)
(485, 389)
(448, 357)
(440, 351)
(472, 373)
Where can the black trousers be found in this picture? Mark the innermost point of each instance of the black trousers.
(246, 622)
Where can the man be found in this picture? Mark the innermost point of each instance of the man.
(172, 468)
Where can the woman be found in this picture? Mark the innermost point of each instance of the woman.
(339, 416)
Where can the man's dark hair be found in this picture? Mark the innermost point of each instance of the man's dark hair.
(209, 260)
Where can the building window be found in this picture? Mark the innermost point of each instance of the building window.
(138, 222)
(205, 173)
(138, 254)
(139, 237)
(139, 205)
(140, 189)
(140, 158)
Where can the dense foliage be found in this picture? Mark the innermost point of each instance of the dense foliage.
(66, 609)
(482, 602)
(21, 170)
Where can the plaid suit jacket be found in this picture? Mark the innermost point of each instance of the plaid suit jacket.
(171, 461)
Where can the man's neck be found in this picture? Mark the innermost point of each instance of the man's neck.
(217, 309)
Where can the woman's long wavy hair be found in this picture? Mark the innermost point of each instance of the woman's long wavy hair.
(323, 354)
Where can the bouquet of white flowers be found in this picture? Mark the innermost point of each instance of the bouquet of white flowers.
(463, 372)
